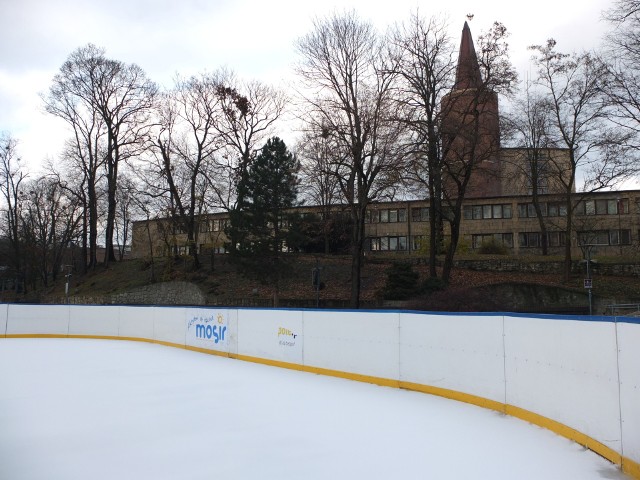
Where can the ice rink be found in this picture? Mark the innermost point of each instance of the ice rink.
(99, 409)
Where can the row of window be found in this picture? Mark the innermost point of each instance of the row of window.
(525, 210)
(505, 239)
(605, 237)
(383, 244)
(525, 240)
(471, 212)
(534, 239)
(548, 209)
(386, 215)
(554, 239)
(214, 225)
(603, 207)
(478, 212)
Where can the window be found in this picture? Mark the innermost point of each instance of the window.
(402, 215)
(479, 239)
(556, 239)
(393, 216)
(522, 210)
(605, 237)
(505, 239)
(387, 244)
(620, 237)
(384, 216)
(477, 212)
(418, 242)
(529, 239)
(419, 214)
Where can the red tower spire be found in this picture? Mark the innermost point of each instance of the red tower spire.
(468, 71)
(470, 128)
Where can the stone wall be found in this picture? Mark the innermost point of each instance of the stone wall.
(166, 293)
(513, 265)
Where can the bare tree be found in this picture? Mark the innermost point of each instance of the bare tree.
(348, 77)
(12, 175)
(581, 124)
(424, 53)
(248, 114)
(318, 182)
(96, 94)
(184, 150)
(50, 224)
(127, 207)
(83, 153)
(529, 125)
(622, 84)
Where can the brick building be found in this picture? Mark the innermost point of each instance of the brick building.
(498, 204)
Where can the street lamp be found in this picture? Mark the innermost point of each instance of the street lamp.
(66, 285)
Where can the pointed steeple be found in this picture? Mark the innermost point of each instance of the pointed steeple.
(468, 71)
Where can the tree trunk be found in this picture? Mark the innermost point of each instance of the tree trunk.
(567, 247)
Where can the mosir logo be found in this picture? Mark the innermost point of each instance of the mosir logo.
(286, 337)
(211, 328)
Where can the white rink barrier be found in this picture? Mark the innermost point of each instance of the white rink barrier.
(576, 376)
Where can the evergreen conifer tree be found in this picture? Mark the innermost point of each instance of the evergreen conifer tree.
(259, 224)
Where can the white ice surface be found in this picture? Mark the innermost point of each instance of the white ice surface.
(98, 409)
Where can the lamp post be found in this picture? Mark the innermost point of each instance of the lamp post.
(66, 285)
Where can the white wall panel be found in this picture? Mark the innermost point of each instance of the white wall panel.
(562, 369)
(99, 320)
(4, 318)
(629, 346)
(211, 328)
(136, 322)
(565, 370)
(271, 334)
(38, 319)
(457, 352)
(168, 324)
(366, 343)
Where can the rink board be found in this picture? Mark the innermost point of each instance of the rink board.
(577, 376)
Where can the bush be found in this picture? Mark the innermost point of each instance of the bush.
(402, 282)
(431, 285)
(492, 248)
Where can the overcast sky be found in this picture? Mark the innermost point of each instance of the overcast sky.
(255, 38)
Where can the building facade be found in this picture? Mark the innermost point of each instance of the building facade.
(610, 221)
(498, 206)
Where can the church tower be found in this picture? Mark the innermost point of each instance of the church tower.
(470, 130)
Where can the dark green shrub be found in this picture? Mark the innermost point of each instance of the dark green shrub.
(402, 282)
(492, 247)
(433, 285)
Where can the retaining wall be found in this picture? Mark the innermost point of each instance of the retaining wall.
(577, 376)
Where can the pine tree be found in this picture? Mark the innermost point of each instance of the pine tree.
(259, 224)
